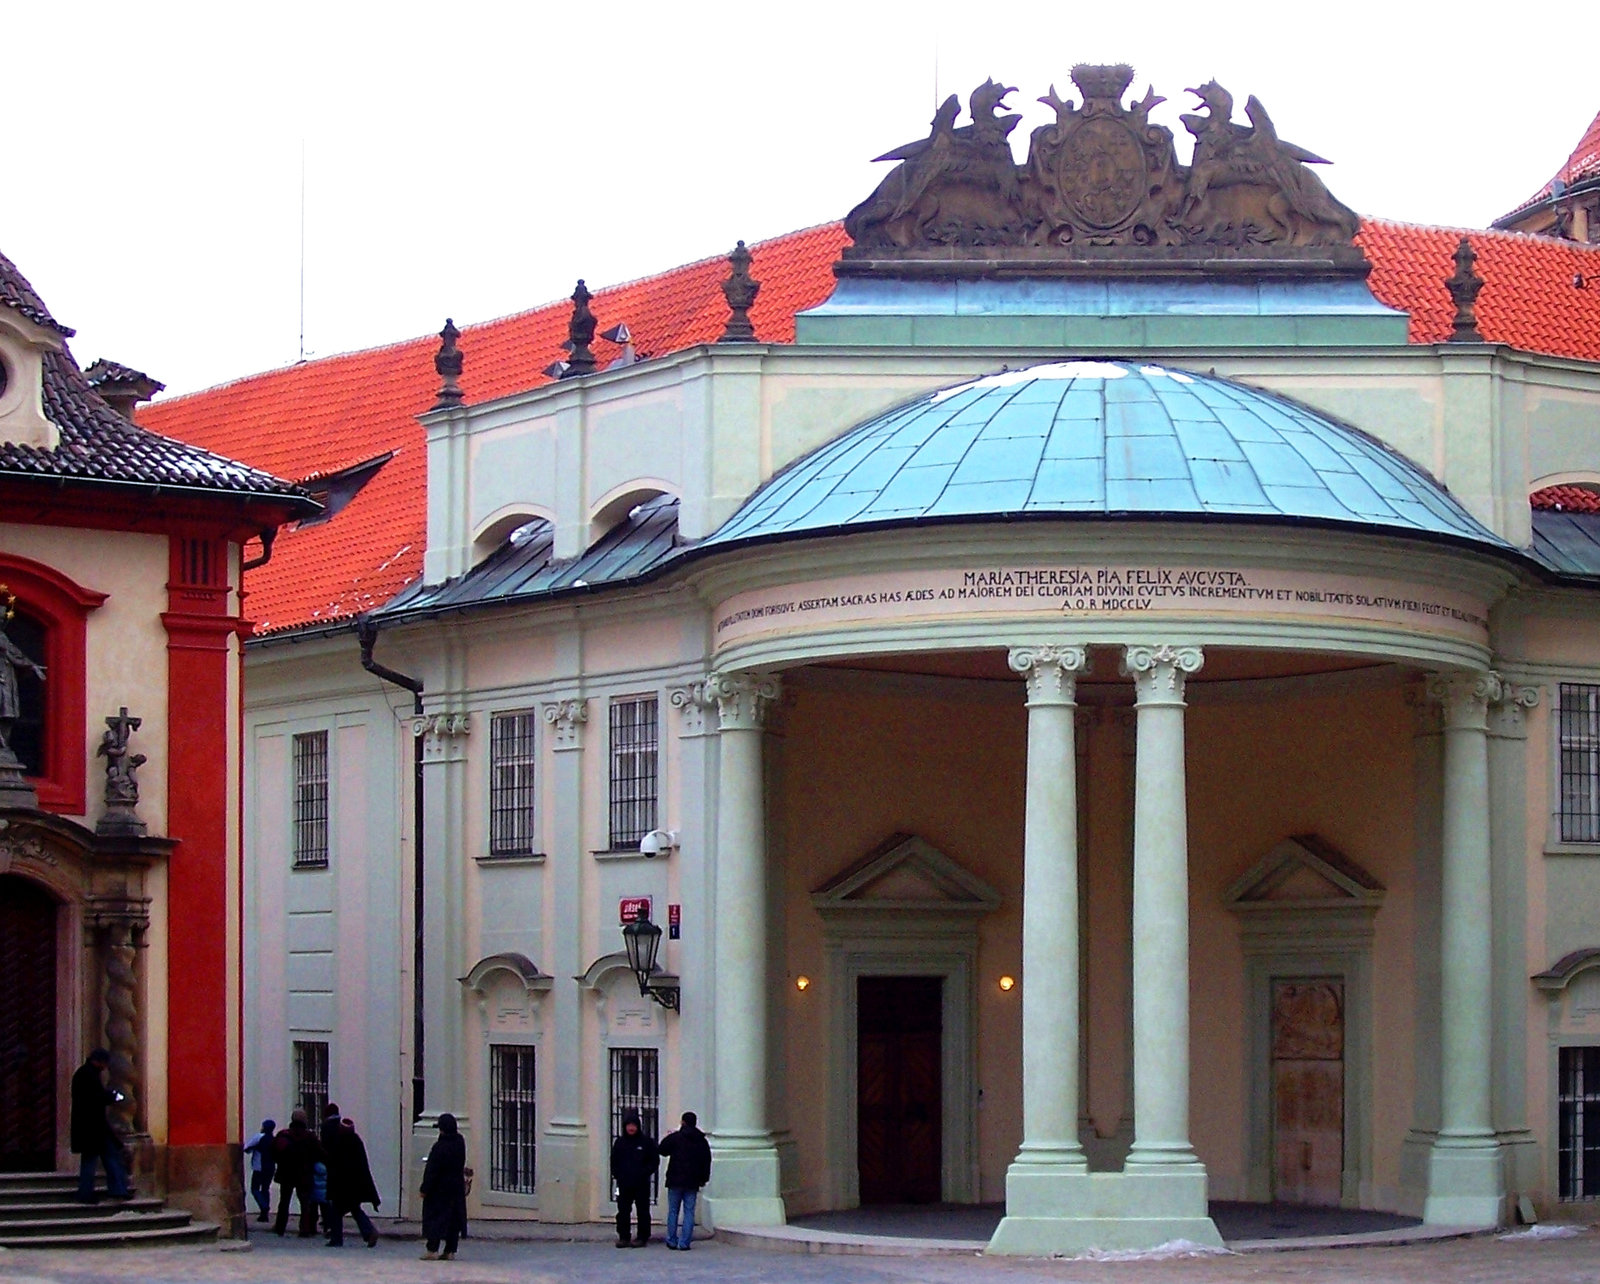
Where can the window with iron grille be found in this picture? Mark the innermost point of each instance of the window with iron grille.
(512, 1119)
(1580, 762)
(311, 1078)
(311, 800)
(513, 744)
(1578, 1116)
(634, 743)
(636, 1085)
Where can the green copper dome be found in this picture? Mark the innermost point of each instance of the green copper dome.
(1100, 438)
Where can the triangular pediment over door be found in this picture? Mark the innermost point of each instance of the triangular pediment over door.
(1304, 872)
(905, 873)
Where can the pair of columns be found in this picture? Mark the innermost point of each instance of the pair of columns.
(1053, 1203)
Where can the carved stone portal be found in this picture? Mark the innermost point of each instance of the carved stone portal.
(1103, 178)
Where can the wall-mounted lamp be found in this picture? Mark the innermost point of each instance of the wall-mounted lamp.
(1008, 983)
(802, 983)
(642, 940)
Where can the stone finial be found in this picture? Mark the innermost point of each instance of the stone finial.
(448, 361)
(1464, 287)
(740, 289)
(122, 790)
(580, 334)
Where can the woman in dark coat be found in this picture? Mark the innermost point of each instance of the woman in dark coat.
(444, 1191)
(350, 1185)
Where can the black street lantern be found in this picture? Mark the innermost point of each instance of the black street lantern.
(642, 940)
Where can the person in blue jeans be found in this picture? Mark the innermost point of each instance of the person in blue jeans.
(92, 1139)
(688, 1155)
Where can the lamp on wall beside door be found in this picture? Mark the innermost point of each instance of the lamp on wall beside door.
(642, 940)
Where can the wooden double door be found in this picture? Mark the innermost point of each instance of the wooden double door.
(899, 1033)
(27, 1027)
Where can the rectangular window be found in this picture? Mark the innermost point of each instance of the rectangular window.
(311, 1078)
(311, 800)
(1580, 762)
(512, 1119)
(512, 755)
(1578, 1113)
(636, 1085)
(634, 743)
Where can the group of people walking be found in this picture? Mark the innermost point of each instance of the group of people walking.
(326, 1171)
(635, 1161)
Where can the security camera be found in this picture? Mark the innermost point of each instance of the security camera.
(658, 842)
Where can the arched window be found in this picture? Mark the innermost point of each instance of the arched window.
(50, 625)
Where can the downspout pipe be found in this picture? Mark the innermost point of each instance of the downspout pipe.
(367, 636)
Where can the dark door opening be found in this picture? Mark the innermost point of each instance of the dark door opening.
(899, 1022)
(27, 1027)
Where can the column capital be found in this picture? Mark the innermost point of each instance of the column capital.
(1159, 672)
(443, 735)
(566, 718)
(742, 698)
(1465, 697)
(691, 701)
(1052, 671)
(1508, 716)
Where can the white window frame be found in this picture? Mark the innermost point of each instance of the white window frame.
(520, 1049)
(312, 798)
(1577, 740)
(633, 759)
(514, 773)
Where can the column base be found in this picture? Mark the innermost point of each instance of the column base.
(204, 1181)
(745, 1184)
(1466, 1184)
(564, 1172)
(1052, 1212)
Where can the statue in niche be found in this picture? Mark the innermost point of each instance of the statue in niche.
(1247, 186)
(122, 790)
(13, 659)
(955, 187)
(1103, 174)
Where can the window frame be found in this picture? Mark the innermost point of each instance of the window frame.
(647, 797)
(297, 1048)
(530, 1052)
(1560, 1154)
(61, 607)
(1558, 818)
(524, 844)
(310, 857)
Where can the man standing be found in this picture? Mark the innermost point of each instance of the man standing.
(688, 1168)
(328, 1135)
(350, 1185)
(92, 1138)
(634, 1160)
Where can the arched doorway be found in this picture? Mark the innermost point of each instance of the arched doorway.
(27, 1026)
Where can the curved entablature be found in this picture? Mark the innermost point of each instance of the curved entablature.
(615, 505)
(1099, 439)
(504, 522)
(1567, 969)
(519, 966)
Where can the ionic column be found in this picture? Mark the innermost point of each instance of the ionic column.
(1160, 909)
(1050, 980)
(1465, 1183)
(744, 1183)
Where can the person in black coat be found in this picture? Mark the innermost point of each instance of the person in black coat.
(634, 1160)
(92, 1138)
(328, 1135)
(350, 1185)
(444, 1191)
(295, 1151)
(688, 1168)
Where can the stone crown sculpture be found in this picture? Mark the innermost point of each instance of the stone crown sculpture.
(1102, 184)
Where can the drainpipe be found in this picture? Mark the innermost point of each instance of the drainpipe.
(367, 635)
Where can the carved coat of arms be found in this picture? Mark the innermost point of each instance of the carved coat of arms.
(1102, 174)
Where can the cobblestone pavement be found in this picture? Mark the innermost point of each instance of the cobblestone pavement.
(273, 1261)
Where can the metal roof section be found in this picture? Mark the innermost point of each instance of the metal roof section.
(522, 567)
(1101, 438)
(1567, 542)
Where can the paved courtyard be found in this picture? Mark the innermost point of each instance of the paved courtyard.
(272, 1261)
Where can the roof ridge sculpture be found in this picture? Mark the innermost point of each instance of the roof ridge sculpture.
(1102, 190)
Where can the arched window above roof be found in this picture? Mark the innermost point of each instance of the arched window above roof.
(519, 520)
(617, 505)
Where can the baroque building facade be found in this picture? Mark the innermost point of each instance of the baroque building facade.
(1097, 693)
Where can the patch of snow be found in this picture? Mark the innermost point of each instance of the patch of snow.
(1543, 1231)
(1052, 370)
(1172, 1250)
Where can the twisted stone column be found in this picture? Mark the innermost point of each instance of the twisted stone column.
(122, 1022)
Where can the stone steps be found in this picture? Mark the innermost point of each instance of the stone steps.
(40, 1210)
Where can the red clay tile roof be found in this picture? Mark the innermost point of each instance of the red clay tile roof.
(322, 415)
(1584, 163)
(1565, 499)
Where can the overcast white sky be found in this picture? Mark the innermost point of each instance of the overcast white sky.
(473, 159)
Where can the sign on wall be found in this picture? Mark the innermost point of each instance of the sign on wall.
(630, 909)
(1097, 590)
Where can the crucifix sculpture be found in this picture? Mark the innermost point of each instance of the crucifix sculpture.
(122, 790)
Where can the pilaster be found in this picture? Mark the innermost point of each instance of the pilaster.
(565, 1179)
